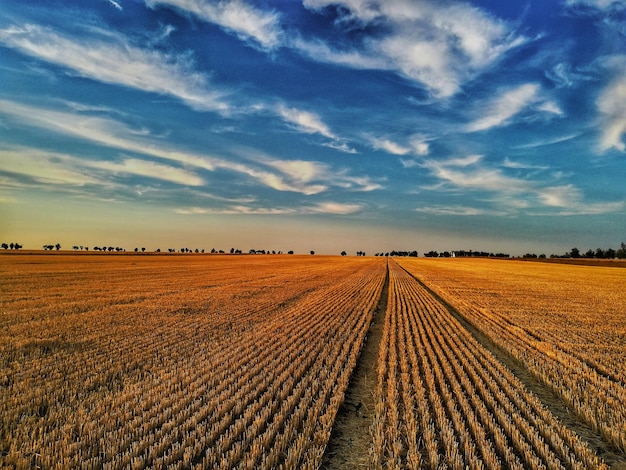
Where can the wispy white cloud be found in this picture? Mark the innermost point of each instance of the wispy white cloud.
(481, 178)
(112, 58)
(336, 208)
(104, 131)
(116, 4)
(64, 169)
(564, 77)
(320, 51)
(260, 27)
(309, 122)
(45, 167)
(513, 193)
(598, 4)
(340, 146)
(560, 196)
(282, 175)
(327, 208)
(300, 170)
(570, 201)
(420, 145)
(438, 45)
(416, 145)
(612, 107)
(504, 107)
(543, 143)
(389, 146)
(149, 169)
(234, 210)
(456, 210)
(311, 174)
(305, 121)
(550, 107)
(518, 165)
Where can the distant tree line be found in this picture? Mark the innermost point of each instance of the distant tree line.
(52, 247)
(598, 253)
(478, 254)
(398, 253)
(109, 249)
(11, 246)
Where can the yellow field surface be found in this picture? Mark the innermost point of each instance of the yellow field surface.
(240, 361)
(566, 324)
(177, 361)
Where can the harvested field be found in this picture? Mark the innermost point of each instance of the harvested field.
(174, 362)
(207, 361)
(565, 324)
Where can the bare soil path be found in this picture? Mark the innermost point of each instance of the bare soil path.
(349, 444)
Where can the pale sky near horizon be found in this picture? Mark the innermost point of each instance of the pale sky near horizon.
(314, 125)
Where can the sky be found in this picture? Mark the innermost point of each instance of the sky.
(367, 125)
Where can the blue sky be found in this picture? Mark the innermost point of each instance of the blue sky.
(284, 124)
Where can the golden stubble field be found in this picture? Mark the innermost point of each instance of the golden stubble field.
(204, 361)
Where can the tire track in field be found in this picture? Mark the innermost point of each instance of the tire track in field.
(350, 441)
(549, 399)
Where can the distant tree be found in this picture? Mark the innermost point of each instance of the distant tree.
(621, 252)
(610, 253)
(136, 250)
(58, 246)
(574, 253)
(343, 253)
(312, 252)
(590, 253)
(5, 246)
(290, 252)
(158, 250)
